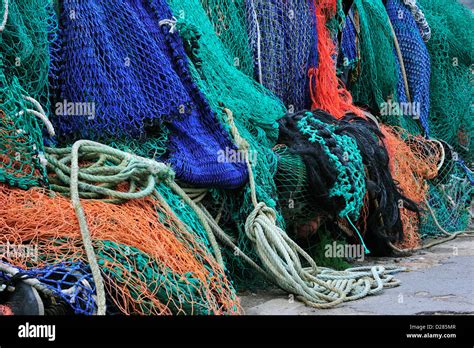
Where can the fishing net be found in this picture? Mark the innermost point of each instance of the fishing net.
(420, 19)
(327, 91)
(349, 50)
(255, 111)
(350, 182)
(451, 49)
(416, 62)
(378, 76)
(25, 45)
(24, 66)
(413, 160)
(369, 62)
(21, 145)
(151, 263)
(70, 282)
(292, 184)
(449, 197)
(230, 25)
(125, 83)
(284, 43)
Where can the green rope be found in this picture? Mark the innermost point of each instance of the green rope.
(143, 175)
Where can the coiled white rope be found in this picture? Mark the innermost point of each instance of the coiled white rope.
(281, 256)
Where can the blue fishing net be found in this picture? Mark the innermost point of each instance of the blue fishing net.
(415, 59)
(71, 282)
(283, 38)
(121, 75)
(348, 49)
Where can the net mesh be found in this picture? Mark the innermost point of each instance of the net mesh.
(20, 139)
(25, 45)
(70, 282)
(292, 184)
(255, 111)
(449, 198)
(451, 48)
(125, 83)
(373, 71)
(24, 66)
(378, 76)
(413, 160)
(230, 25)
(153, 265)
(284, 43)
(416, 61)
(327, 91)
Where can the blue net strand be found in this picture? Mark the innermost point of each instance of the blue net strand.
(72, 282)
(349, 48)
(284, 42)
(415, 59)
(118, 61)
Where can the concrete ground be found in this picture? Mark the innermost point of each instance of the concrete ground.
(438, 281)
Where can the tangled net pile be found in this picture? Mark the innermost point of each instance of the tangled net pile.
(158, 155)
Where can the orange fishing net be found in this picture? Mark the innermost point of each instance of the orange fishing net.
(413, 159)
(327, 91)
(150, 262)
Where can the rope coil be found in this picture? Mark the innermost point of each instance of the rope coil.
(281, 256)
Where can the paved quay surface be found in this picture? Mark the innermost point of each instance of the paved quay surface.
(438, 281)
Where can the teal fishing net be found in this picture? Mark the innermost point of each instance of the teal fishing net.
(230, 25)
(255, 110)
(451, 48)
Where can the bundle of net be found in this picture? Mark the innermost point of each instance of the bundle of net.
(414, 82)
(149, 260)
(413, 160)
(283, 40)
(25, 34)
(369, 56)
(327, 91)
(21, 145)
(449, 199)
(451, 48)
(25, 45)
(133, 89)
(356, 195)
(230, 25)
(255, 111)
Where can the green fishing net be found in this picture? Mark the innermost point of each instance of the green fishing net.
(451, 49)
(255, 112)
(24, 67)
(374, 82)
(25, 44)
(378, 76)
(21, 145)
(292, 184)
(449, 200)
(228, 19)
